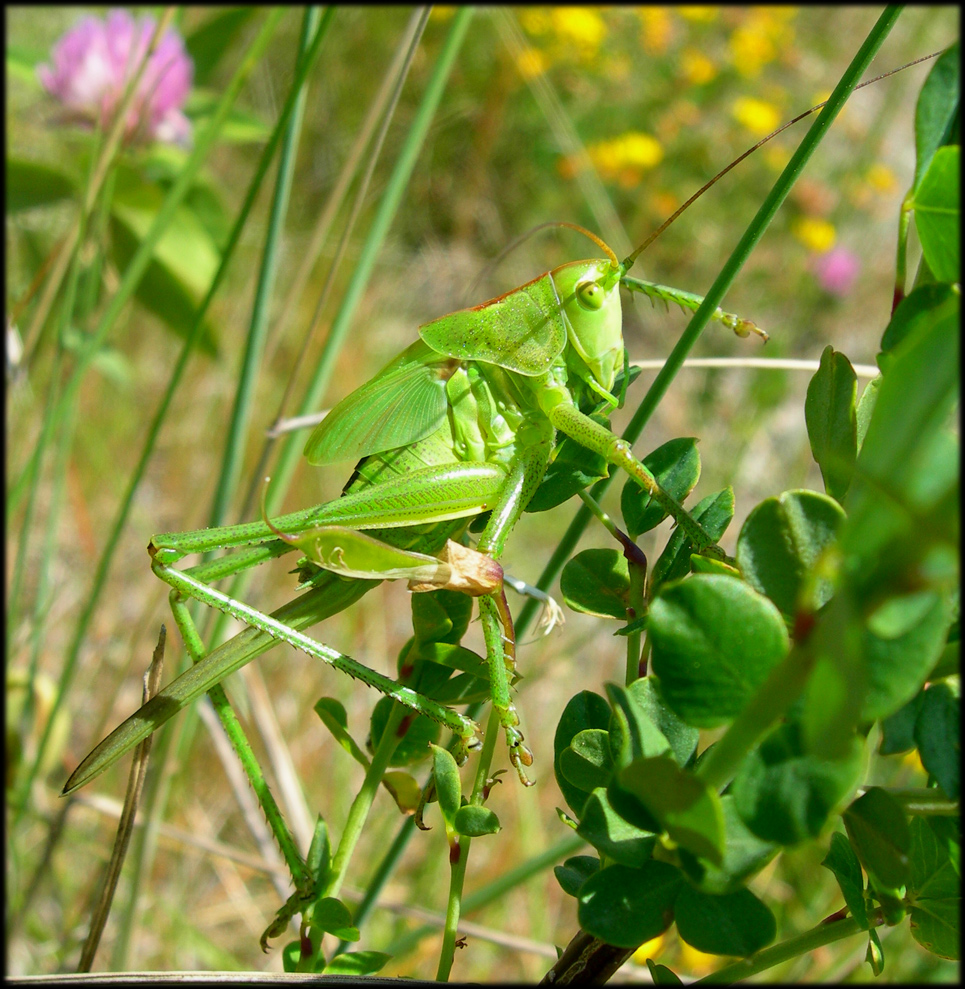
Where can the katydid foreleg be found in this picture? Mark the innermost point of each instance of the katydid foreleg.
(569, 420)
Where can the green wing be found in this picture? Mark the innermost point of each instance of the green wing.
(522, 331)
(403, 403)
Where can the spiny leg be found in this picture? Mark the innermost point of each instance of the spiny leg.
(525, 474)
(189, 586)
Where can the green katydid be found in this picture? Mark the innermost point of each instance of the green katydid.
(464, 422)
(461, 423)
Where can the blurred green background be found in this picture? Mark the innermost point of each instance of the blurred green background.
(607, 117)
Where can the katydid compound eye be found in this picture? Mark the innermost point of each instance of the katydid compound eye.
(590, 295)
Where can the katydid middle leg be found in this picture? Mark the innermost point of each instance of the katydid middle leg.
(525, 473)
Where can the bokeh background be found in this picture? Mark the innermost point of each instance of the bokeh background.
(607, 117)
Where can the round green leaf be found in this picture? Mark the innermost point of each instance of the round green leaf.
(744, 856)
(610, 834)
(330, 914)
(585, 710)
(683, 804)
(903, 640)
(474, 822)
(829, 412)
(786, 796)
(936, 205)
(779, 543)
(633, 734)
(597, 582)
(937, 108)
(586, 762)
(676, 466)
(357, 963)
(843, 862)
(714, 640)
(938, 736)
(879, 833)
(626, 907)
(575, 871)
(735, 924)
(448, 785)
(935, 890)
(714, 513)
(682, 737)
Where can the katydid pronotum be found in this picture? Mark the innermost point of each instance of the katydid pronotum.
(463, 423)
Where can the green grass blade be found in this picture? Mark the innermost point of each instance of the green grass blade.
(313, 23)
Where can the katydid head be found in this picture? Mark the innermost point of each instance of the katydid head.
(590, 294)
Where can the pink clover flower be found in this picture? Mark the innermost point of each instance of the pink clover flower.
(93, 62)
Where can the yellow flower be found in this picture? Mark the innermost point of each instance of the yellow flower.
(651, 949)
(913, 760)
(582, 27)
(750, 50)
(441, 14)
(535, 20)
(699, 15)
(531, 62)
(757, 116)
(760, 38)
(881, 178)
(623, 158)
(641, 150)
(695, 962)
(815, 234)
(697, 68)
(657, 29)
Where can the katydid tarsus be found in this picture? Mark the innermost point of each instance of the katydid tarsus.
(463, 423)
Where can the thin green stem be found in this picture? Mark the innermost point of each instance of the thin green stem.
(380, 877)
(495, 890)
(927, 802)
(636, 609)
(457, 874)
(359, 810)
(239, 742)
(817, 937)
(637, 569)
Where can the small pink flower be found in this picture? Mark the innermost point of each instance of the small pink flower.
(93, 62)
(836, 270)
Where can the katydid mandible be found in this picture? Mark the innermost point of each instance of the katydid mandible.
(462, 423)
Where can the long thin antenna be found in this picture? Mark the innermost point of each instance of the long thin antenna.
(673, 216)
